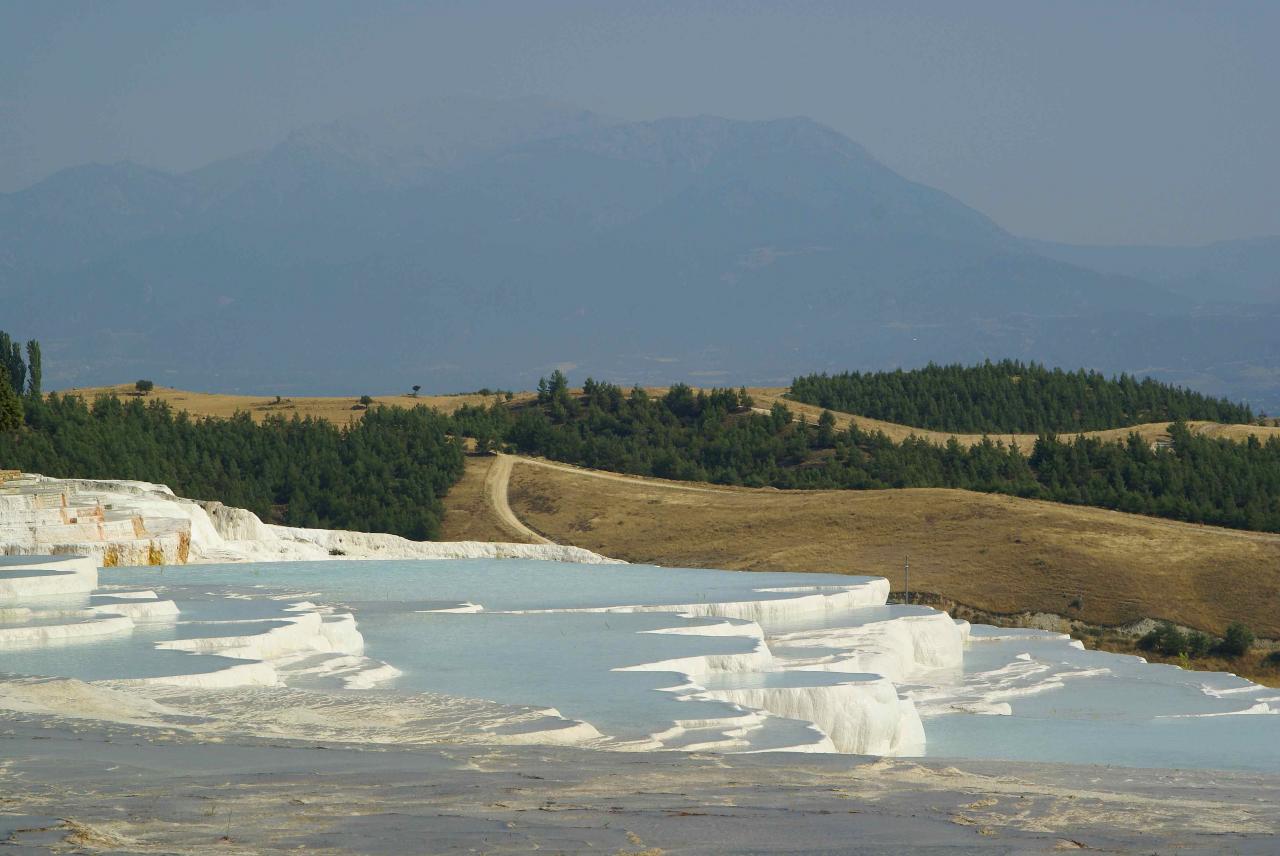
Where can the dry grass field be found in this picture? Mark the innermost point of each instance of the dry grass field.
(999, 554)
(336, 409)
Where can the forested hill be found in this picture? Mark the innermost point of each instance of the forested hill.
(718, 436)
(1010, 397)
(386, 473)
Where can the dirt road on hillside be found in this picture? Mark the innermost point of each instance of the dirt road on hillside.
(496, 482)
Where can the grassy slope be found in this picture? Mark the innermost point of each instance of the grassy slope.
(1000, 554)
(468, 514)
(336, 409)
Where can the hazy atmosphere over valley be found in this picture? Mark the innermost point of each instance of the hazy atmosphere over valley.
(639, 428)
(392, 203)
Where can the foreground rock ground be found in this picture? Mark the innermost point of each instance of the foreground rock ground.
(82, 786)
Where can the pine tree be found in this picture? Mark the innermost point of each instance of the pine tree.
(35, 372)
(13, 365)
(826, 430)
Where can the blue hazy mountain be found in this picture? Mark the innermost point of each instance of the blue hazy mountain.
(1244, 271)
(460, 243)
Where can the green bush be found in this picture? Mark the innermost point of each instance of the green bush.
(1199, 644)
(1165, 639)
(1237, 641)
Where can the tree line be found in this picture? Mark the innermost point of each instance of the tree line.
(385, 473)
(715, 436)
(389, 471)
(1010, 397)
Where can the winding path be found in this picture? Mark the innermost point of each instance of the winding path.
(496, 484)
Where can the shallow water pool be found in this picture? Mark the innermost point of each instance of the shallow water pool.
(675, 658)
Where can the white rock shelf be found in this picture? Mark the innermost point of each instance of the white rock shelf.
(52, 602)
(127, 523)
(840, 703)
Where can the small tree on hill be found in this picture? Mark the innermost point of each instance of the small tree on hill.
(366, 400)
(826, 430)
(417, 387)
(143, 387)
(485, 440)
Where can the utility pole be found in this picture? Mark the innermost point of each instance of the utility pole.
(906, 579)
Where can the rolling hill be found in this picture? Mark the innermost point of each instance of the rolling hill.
(1000, 554)
(343, 410)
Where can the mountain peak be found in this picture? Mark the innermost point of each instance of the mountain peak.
(695, 142)
(409, 141)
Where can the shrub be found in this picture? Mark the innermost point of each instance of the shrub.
(142, 387)
(1273, 659)
(1237, 641)
(1165, 639)
(1199, 644)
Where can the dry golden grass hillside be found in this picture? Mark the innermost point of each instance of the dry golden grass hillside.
(336, 409)
(997, 553)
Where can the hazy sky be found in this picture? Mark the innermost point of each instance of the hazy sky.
(1084, 121)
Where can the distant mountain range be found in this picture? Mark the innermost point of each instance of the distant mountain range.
(460, 243)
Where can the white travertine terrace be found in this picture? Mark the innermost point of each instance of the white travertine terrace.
(34, 613)
(116, 522)
(42, 605)
(45, 576)
(862, 714)
(897, 648)
(770, 699)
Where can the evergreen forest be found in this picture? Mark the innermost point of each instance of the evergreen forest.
(715, 436)
(1010, 397)
(389, 471)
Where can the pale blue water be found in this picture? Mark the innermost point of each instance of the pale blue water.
(505, 584)
(563, 661)
(1124, 712)
(1137, 714)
